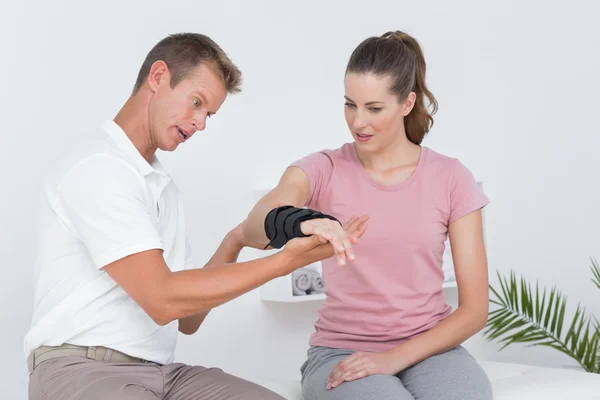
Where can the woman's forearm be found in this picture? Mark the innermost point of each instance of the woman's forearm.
(255, 228)
(293, 189)
(448, 334)
(227, 252)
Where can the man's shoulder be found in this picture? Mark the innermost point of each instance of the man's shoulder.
(93, 151)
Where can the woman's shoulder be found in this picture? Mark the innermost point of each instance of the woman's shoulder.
(437, 157)
(330, 156)
(450, 173)
(464, 192)
(443, 164)
(342, 152)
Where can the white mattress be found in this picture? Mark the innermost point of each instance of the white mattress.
(510, 382)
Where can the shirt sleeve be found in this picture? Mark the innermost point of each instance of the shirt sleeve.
(103, 201)
(466, 195)
(318, 168)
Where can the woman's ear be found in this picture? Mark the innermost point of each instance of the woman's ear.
(409, 103)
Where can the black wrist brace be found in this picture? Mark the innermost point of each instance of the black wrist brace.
(283, 224)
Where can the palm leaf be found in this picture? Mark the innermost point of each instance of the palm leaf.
(537, 318)
(595, 267)
(596, 272)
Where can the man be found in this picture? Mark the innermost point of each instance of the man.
(116, 280)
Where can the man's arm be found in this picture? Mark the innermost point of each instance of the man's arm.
(227, 253)
(127, 245)
(167, 296)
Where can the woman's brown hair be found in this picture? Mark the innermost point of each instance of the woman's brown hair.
(399, 55)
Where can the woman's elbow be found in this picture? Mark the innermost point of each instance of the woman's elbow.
(479, 317)
(481, 321)
(476, 316)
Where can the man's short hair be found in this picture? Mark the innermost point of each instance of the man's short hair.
(183, 52)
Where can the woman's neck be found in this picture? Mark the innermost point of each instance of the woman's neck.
(399, 153)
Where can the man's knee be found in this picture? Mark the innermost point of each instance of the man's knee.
(213, 383)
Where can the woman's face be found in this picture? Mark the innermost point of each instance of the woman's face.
(373, 114)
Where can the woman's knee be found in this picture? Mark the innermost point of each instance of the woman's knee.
(380, 387)
(449, 376)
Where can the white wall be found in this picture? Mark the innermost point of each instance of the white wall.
(517, 84)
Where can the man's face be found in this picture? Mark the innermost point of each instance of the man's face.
(176, 114)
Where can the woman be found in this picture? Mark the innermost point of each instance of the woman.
(384, 330)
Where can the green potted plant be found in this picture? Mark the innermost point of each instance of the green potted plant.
(536, 317)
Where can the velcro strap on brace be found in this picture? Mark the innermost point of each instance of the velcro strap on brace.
(283, 224)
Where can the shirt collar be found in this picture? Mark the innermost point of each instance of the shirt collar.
(118, 135)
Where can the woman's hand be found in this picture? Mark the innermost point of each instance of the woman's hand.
(332, 231)
(361, 364)
(305, 250)
(352, 230)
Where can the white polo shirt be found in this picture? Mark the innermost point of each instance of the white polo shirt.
(102, 202)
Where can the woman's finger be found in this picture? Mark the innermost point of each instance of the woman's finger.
(354, 375)
(345, 241)
(317, 230)
(337, 370)
(354, 369)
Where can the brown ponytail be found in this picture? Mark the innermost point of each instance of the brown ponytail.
(399, 55)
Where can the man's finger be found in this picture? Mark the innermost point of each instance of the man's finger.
(312, 242)
(319, 240)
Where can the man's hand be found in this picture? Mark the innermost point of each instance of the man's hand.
(322, 247)
(361, 364)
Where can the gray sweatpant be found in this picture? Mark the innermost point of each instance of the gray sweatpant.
(454, 375)
(78, 378)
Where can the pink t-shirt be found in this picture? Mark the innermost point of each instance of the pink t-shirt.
(392, 291)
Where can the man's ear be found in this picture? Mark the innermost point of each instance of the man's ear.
(159, 75)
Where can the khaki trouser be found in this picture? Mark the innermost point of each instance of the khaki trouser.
(94, 373)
